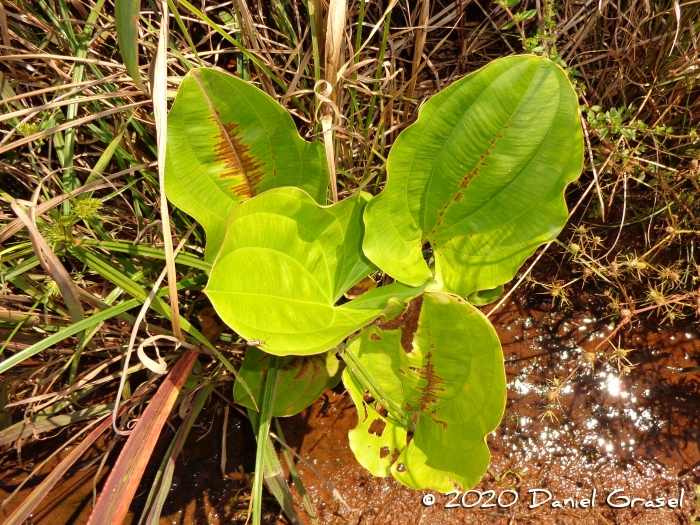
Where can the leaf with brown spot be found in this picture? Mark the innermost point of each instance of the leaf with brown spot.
(377, 427)
(371, 448)
(450, 384)
(409, 323)
(301, 381)
(480, 176)
(227, 142)
(238, 163)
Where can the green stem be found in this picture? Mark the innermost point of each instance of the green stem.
(70, 179)
(368, 382)
(268, 402)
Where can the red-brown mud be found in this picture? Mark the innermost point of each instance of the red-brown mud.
(633, 432)
(639, 433)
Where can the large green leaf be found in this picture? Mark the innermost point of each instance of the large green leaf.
(301, 381)
(480, 176)
(228, 141)
(441, 363)
(284, 264)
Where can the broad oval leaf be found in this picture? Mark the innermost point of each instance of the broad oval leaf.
(441, 363)
(283, 266)
(480, 176)
(227, 142)
(301, 381)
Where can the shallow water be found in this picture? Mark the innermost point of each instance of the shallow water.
(632, 432)
(637, 433)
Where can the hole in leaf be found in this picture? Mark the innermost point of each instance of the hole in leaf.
(377, 427)
(383, 452)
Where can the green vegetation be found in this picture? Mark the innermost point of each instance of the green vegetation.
(480, 176)
(93, 263)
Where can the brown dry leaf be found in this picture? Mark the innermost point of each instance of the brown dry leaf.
(364, 286)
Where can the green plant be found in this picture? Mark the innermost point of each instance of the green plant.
(474, 186)
(96, 127)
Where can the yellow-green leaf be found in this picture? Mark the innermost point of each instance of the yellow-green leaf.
(229, 141)
(283, 266)
(441, 363)
(480, 176)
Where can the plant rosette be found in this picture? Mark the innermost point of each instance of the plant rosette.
(473, 187)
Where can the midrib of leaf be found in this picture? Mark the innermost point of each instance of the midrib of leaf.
(292, 260)
(276, 298)
(224, 133)
(515, 179)
(347, 313)
(446, 402)
(432, 177)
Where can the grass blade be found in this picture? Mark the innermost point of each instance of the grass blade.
(113, 274)
(295, 476)
(185, 33)
(192, 9)
(160, 111)
(120, 488)
(78, 327)
(263, 437)
(70, 179)
(52, 265)
(23, 512)
(126, 17)
(24, 430)
(273, 473)
(146, 251)
(335, 32)
(9, 229)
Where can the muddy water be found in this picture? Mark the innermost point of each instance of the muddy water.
(637, 433)
(634, 433)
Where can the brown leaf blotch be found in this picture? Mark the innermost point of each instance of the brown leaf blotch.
(304, 366)
(407, 321)
(361, 288)
(432, 382)
(238, 161)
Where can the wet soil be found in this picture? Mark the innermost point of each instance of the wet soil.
(638, 433)
(634, 432)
